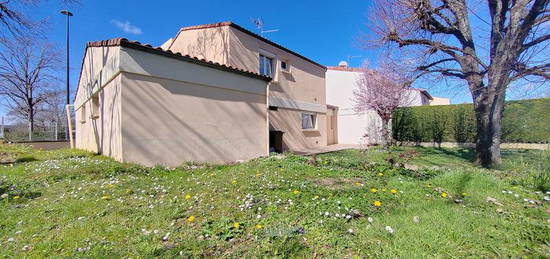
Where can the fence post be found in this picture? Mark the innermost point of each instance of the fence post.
(55, 130)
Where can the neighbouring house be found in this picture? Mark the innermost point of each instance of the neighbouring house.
(297, 97)
(213, 93)
(440, 101)
(364, 127)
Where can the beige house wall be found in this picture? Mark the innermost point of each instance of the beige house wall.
(160, 110)
(169, 122)
(99, 77)
(301, 90)
(176, 111)
(209, 43)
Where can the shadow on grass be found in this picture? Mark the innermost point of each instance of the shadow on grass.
(26, 159)
(466, 154)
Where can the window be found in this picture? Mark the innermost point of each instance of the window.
(83, 114)
(285, 66)
(95, 106)
(266, 66)
(308, 121)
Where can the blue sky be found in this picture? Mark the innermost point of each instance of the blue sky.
(325, 31)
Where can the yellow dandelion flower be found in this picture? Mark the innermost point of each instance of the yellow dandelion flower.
(191, 219)
(383, 189)
(106, 197)
(464, 194)
(16, 197)
(357, 184)
(444, 194)
(259, 226)
(373, 190)
(188, 196)
(377, 203)
(233, 182)
(236, 225)
(380, 174)
(316, 197)
(296, 192)
(394, 191)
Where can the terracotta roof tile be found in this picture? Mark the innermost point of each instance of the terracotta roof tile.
(167, 53)
(159, 51)
(349, 69)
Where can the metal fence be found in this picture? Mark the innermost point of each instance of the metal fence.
(20, 134)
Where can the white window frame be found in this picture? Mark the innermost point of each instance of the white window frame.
(83, 114)
(264, 57)
(313, 123)
(95, 111)
(288, 66)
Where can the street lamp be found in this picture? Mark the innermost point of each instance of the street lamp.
(68, 14)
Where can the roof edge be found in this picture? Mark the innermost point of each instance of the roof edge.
(123, 42)
(242, 29)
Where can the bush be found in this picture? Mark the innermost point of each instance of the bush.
(524, 121)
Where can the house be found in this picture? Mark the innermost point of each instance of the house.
(297, 96)
(364, 127)
(440, 101)
(213, 93)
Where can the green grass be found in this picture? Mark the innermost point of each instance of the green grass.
(76, 204)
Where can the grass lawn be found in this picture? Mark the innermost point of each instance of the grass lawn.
(348, 204)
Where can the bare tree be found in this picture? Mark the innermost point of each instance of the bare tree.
(504, 45)
(27, 77)
(382, 90)
(13, 18)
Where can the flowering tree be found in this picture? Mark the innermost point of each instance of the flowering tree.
(487, 44)
(382, 90)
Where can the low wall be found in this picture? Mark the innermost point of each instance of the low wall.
(472, 145)
(46, 145)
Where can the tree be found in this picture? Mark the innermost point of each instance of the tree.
(382, 90)
(27, 77)
(508, 45)
(13, 18)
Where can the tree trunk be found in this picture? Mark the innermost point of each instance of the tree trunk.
(488, 114)
(31, 119)
(386, 133)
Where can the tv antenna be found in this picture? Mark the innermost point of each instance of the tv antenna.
(259, 22)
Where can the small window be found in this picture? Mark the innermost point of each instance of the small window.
(273, 108)
(83, 114)
(266, 66)
(308, 121)
(285, 66)
(95, 106)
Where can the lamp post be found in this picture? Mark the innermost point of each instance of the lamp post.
(68, 14)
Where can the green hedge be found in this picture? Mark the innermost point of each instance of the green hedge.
(524, 121)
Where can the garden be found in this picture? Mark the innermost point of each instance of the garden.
(410, 202)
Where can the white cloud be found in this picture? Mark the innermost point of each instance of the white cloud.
(127, 27)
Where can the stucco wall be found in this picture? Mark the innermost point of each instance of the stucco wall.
(363, 127)
(99, 77)
(208, 43)
(301, 89)
(295, 138)
(177, 111)
(352, 126)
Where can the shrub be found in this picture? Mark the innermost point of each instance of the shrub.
(524, 121)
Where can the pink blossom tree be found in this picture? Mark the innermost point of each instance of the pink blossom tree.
(381, 90)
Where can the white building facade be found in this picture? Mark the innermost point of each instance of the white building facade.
(364, 127)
